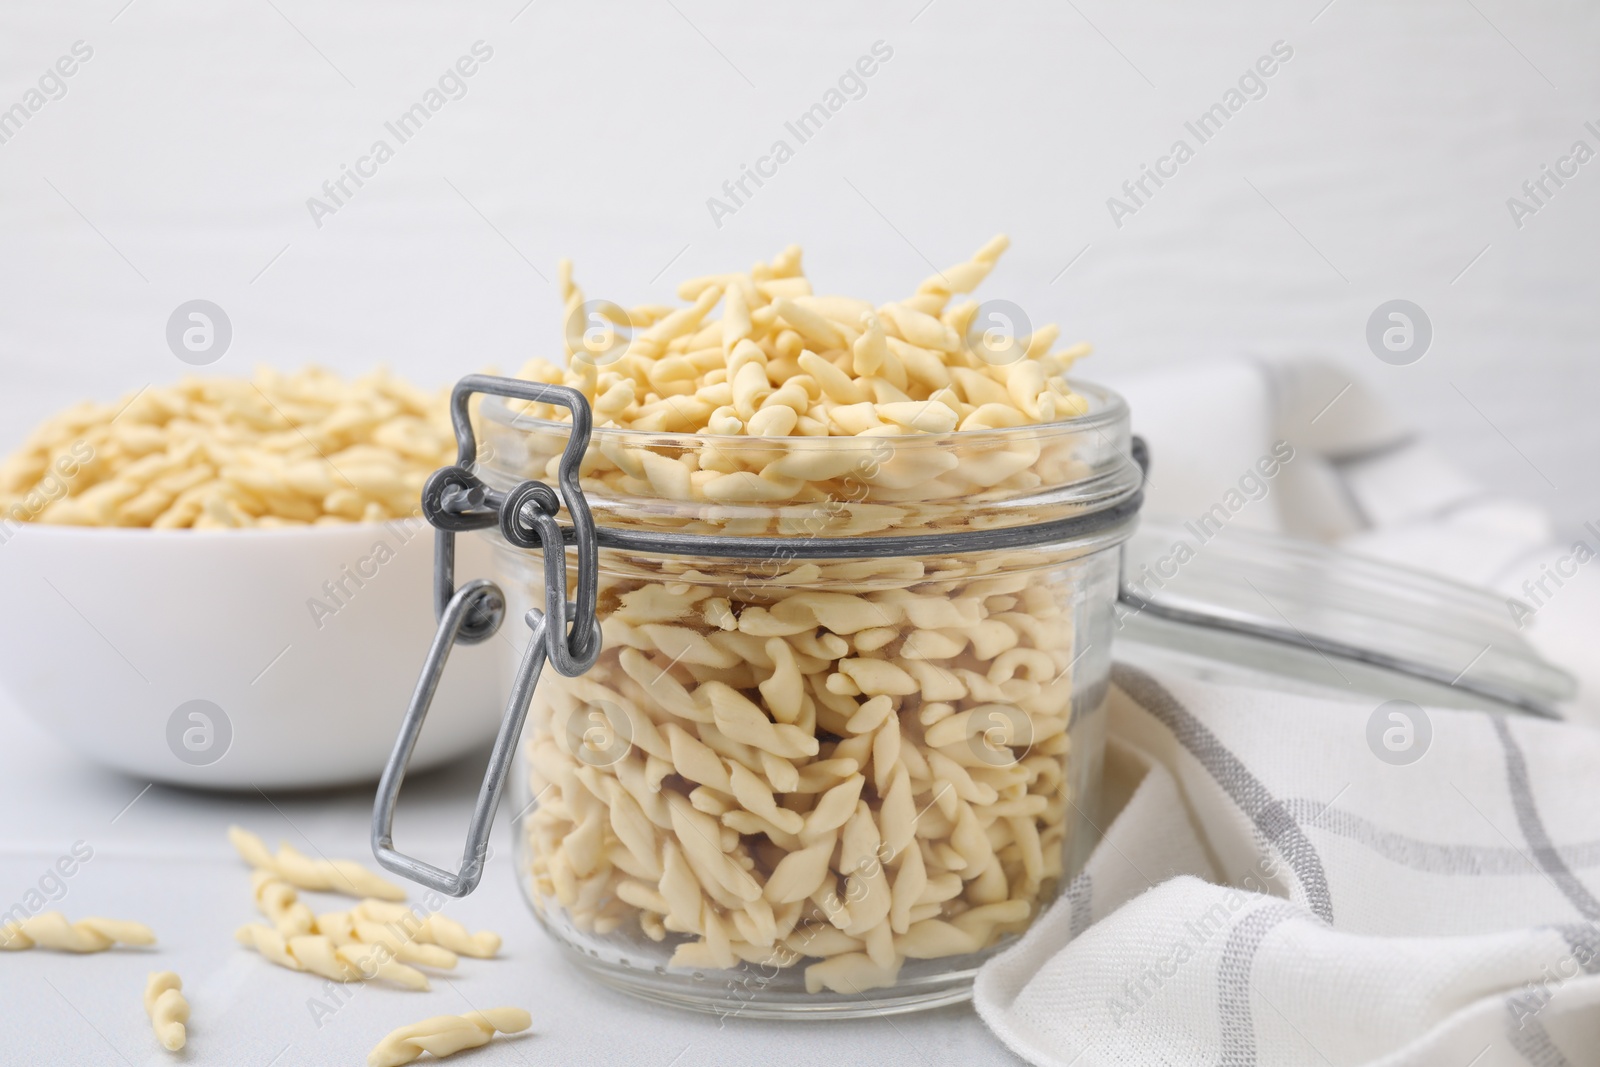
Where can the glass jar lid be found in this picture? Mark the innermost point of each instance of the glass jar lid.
(1243, 606)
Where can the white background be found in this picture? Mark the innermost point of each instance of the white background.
(1381, 160)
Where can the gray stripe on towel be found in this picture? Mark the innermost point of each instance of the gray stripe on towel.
(1428, 856)
(1078, 899)
(1233, 980)
(1267, 812)
(1533, 831)
(1531, 1040)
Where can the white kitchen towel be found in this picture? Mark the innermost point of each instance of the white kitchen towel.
(1289, 881)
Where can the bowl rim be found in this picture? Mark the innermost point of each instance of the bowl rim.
(66, 529)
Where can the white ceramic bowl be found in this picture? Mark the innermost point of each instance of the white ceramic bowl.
(238, 659)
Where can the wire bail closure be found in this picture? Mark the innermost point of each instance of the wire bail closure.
(567, 634)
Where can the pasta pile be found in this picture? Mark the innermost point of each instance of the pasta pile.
(219, 453)
(782, 362)
(840, 765)
(796, 773)
(339, 960)
(379, 938)
(771, 387)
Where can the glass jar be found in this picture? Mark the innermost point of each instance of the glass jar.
(844, 734)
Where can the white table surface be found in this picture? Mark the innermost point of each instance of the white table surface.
(160, 856)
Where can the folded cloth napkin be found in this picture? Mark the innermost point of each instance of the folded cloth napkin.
(1285, 880)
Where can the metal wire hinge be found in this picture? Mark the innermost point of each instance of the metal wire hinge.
(566, 634)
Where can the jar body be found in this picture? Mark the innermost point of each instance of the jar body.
(827, 787)
(844, 736)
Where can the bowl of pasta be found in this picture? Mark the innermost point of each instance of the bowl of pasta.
(223, 583)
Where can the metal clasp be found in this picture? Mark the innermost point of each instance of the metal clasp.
(566, 634)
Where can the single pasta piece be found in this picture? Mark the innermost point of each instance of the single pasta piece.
(445, 1035)
(51, 929)
(168, 1010)
(298, 869)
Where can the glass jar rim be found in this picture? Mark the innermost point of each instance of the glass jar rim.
(908, 493)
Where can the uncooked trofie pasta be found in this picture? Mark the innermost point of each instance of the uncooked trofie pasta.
(350, 961)
(445, 1035)
(783, 362)
(429, 929)
(829, 767)
(278, 901)
(741, 417)
(167, 1008)
(297, 869)
(857, 778)
(219, 453)
(374, 940)
(52, 930)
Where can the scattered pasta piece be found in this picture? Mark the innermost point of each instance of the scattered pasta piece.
(167, 1008)
(445, 1035)
(51, 930)
(299, 870)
